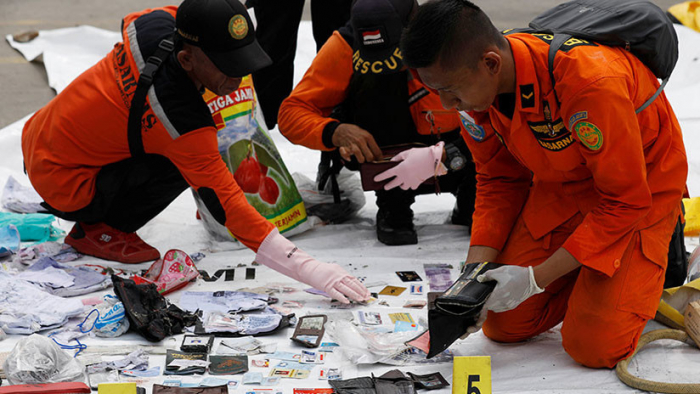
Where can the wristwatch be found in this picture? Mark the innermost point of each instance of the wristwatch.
(455, 159)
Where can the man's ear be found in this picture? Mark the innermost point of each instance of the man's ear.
(493, 62)
(186, 59)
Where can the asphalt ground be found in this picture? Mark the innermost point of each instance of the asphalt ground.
(24, 87)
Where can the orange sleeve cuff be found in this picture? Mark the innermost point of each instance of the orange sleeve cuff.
(304, 115)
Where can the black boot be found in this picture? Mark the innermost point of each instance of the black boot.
(395, 217)
(460, 216)
(464, 206)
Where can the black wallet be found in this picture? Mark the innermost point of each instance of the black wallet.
(370, 169)
(458, 307)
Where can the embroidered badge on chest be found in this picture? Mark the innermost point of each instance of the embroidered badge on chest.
(551, 134)
(589, 135)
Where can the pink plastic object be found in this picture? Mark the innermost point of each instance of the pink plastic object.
(172, 272)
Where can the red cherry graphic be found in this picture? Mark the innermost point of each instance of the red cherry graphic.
(263, 167)
(248, 175)
(269, 191)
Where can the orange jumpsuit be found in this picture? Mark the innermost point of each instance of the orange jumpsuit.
(84, 128)
(588, 175)
(304, 116)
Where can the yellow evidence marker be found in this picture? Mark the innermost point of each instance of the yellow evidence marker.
(471, 375)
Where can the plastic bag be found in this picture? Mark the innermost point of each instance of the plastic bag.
(256, 165)
(32, 226)
(688, 13)
(37, 359)
(321, 203)
(692, 216)
(363, 346)
(673, 303)
(694, 265)
(112, 321)
(9, 240)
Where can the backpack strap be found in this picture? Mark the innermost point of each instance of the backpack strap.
(653, 97)
(557, 42)
(153, 64)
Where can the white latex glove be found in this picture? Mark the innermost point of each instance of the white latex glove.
(280, 254)
(515, 285)
(417, 165)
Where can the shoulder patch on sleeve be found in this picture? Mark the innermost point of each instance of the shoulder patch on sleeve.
(580, 115)
(589, 135)
(477, 132)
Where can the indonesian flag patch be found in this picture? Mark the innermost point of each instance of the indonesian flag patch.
(372, 37)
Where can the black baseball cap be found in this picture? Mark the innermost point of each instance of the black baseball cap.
(224, 31)
(377, 25)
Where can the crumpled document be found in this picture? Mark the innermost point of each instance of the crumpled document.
(248, 345)
(27, 309)
(135, 361)
(21, 199)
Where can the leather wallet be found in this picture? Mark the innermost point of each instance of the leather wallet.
(458, 307)
(370, 169)
(160, 389)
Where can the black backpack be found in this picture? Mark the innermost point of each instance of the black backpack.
(639, 26)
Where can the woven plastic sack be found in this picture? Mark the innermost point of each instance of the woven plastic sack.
(692, 216)
(255, 163)
(673, 303)
(688, 13)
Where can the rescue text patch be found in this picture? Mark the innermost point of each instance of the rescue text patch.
(580, 115)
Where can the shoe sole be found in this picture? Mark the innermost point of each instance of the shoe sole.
(394, 240)
(78, 246)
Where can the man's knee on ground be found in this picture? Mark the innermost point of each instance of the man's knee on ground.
(503, 327)
(598, 345)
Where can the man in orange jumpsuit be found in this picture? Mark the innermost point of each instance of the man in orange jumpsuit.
(357, 97)
(81, 160)
(576, 193)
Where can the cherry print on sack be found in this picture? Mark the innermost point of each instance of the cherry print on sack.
(248, 175)
(269, 191)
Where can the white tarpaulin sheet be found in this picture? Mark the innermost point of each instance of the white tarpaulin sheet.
(539, 365)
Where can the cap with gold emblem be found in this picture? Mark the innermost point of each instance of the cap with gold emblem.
(224, 31)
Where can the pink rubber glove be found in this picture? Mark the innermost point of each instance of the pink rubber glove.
(417, 165)
(280, 254)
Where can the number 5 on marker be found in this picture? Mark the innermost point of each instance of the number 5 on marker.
(471, 375)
